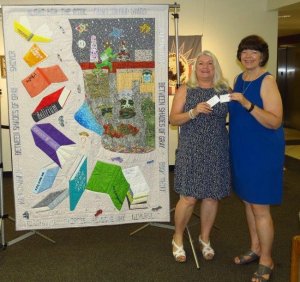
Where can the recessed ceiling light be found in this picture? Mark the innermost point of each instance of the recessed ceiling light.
(284, 16)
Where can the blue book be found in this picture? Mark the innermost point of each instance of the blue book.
(46, 178)
(77, 183)
(86, 118)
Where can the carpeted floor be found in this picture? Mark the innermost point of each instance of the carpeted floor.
(109, 253)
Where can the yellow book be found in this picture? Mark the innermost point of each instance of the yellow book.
(29, 35)
(34, 55)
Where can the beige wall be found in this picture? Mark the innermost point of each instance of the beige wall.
(222, 24)
(6, 151)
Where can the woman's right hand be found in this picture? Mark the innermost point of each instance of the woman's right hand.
(203, 108)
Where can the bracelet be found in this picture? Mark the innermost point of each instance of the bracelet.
(191, 115)
(251, 108)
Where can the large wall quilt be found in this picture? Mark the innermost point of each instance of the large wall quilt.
(88, 110)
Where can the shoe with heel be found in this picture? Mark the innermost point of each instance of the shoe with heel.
(206, 249)
(178, 252)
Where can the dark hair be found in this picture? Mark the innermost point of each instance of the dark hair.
(254, 42)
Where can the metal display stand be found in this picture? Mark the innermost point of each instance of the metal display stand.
(3, 216)
(167, 226)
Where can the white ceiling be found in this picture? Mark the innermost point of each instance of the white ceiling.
(289, 25)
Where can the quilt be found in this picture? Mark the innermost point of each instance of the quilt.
(88, 95)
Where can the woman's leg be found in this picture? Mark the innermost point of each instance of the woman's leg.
(183, 212)
(208, 213)
(255, 244)
(252, 226)
(265, 233)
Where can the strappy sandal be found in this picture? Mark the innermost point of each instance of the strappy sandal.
(261, 271)
(247, 257)
(179, 253)
(207, 251)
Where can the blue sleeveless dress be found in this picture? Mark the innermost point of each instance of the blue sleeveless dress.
(256, 152)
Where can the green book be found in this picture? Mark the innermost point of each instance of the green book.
(109, 178)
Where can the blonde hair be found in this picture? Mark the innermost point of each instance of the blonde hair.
(219, 82)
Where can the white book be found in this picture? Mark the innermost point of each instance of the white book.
(138, 206)
(138, 184)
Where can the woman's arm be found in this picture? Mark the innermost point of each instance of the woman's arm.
(177, 114)
(270, 115)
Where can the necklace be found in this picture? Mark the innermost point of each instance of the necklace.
(246, 87)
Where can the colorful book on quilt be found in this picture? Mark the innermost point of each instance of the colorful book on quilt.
(34, 55)
(142, 205)
(51, 201)
(109, 178)
(53, 143)
(51, 104)
(41, 78)
(46, 178)
(85, 117)
(41, 34)
(139, 188)
(136, 200)
(77, 182)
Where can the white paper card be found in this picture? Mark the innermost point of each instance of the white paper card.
(224, 98)
(213, 101)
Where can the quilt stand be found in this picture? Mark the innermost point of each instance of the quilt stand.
(176, 18)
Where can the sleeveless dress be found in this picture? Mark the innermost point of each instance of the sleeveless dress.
(202, 168)
(256, 152)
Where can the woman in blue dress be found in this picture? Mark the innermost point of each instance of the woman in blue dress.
(257, 150)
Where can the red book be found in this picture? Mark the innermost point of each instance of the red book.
(51, 104)
(41, 78)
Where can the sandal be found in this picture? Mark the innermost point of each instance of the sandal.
(247, 257)
(179, 253)
(262, 271)
(207, 251)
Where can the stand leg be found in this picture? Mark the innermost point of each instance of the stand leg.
(193, 248)
(152, 224)
(24, 236)
(20, 238)
(30, 233)
(139, 229)
(44, 236)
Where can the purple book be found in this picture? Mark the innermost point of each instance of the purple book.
(52, 142)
